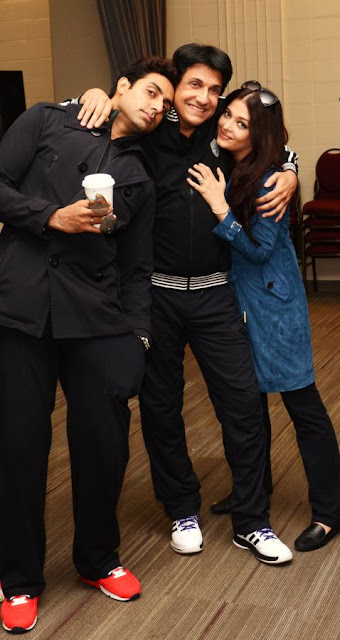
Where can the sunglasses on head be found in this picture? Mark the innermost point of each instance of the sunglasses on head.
(268, 98)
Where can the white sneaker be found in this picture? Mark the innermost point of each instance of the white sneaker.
(187, 535)
(265, 545)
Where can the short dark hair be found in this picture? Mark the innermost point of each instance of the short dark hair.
(143, 66)
(190, 54)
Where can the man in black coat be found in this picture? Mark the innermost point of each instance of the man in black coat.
(74, 304)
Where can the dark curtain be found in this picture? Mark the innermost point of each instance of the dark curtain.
(132, 29)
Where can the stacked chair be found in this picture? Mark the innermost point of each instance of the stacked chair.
(321, 216)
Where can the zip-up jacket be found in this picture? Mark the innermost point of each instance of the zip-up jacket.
(184, 242)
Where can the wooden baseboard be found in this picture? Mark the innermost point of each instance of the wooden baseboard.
(324, 286)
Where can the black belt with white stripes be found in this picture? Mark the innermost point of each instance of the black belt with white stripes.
(193, 282)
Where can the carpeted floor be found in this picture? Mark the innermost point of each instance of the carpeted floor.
(223, 593)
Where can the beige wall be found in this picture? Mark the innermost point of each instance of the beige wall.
(248, 30)
(311, 62)
(311, 68)
(79, 54)
(31, 29)
(25, 45)
(291, 46)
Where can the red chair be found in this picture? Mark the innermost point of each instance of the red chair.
(321, 222)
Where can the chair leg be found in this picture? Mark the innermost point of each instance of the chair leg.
(314, 274)
(304, 268)
(304, 271)
(303, 258)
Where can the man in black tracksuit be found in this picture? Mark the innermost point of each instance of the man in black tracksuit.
(74, 304)
(192, 303)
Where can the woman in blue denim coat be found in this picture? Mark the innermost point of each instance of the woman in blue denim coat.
(270, 294)
(271, 297)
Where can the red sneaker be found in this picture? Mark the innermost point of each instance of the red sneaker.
(119, 584)
(19, 613)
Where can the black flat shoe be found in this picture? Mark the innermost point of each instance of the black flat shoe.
(314, 537)
(222, 507)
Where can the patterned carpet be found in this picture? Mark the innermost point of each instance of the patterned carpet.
(222, 593)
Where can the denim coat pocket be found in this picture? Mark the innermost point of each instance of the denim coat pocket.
(276, 283)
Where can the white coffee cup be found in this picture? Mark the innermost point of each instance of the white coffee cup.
(97, 184)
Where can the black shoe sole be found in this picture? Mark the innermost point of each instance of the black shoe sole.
(16, 631)
(244, 544)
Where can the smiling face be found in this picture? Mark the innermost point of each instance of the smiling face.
(196, 96)
(141, 105)
(233, 129)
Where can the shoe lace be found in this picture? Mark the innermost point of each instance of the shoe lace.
(17, 600)
(188, 523)
(118, 572)
(266, 533)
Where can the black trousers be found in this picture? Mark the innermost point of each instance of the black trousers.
(207, 319)
(98, 376)
(318, 447)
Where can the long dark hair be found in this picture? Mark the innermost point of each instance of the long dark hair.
(268, 136)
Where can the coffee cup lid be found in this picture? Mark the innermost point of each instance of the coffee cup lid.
(98, 180)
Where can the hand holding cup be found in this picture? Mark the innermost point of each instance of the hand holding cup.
(98, 188)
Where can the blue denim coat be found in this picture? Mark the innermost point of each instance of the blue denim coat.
(271, 297)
